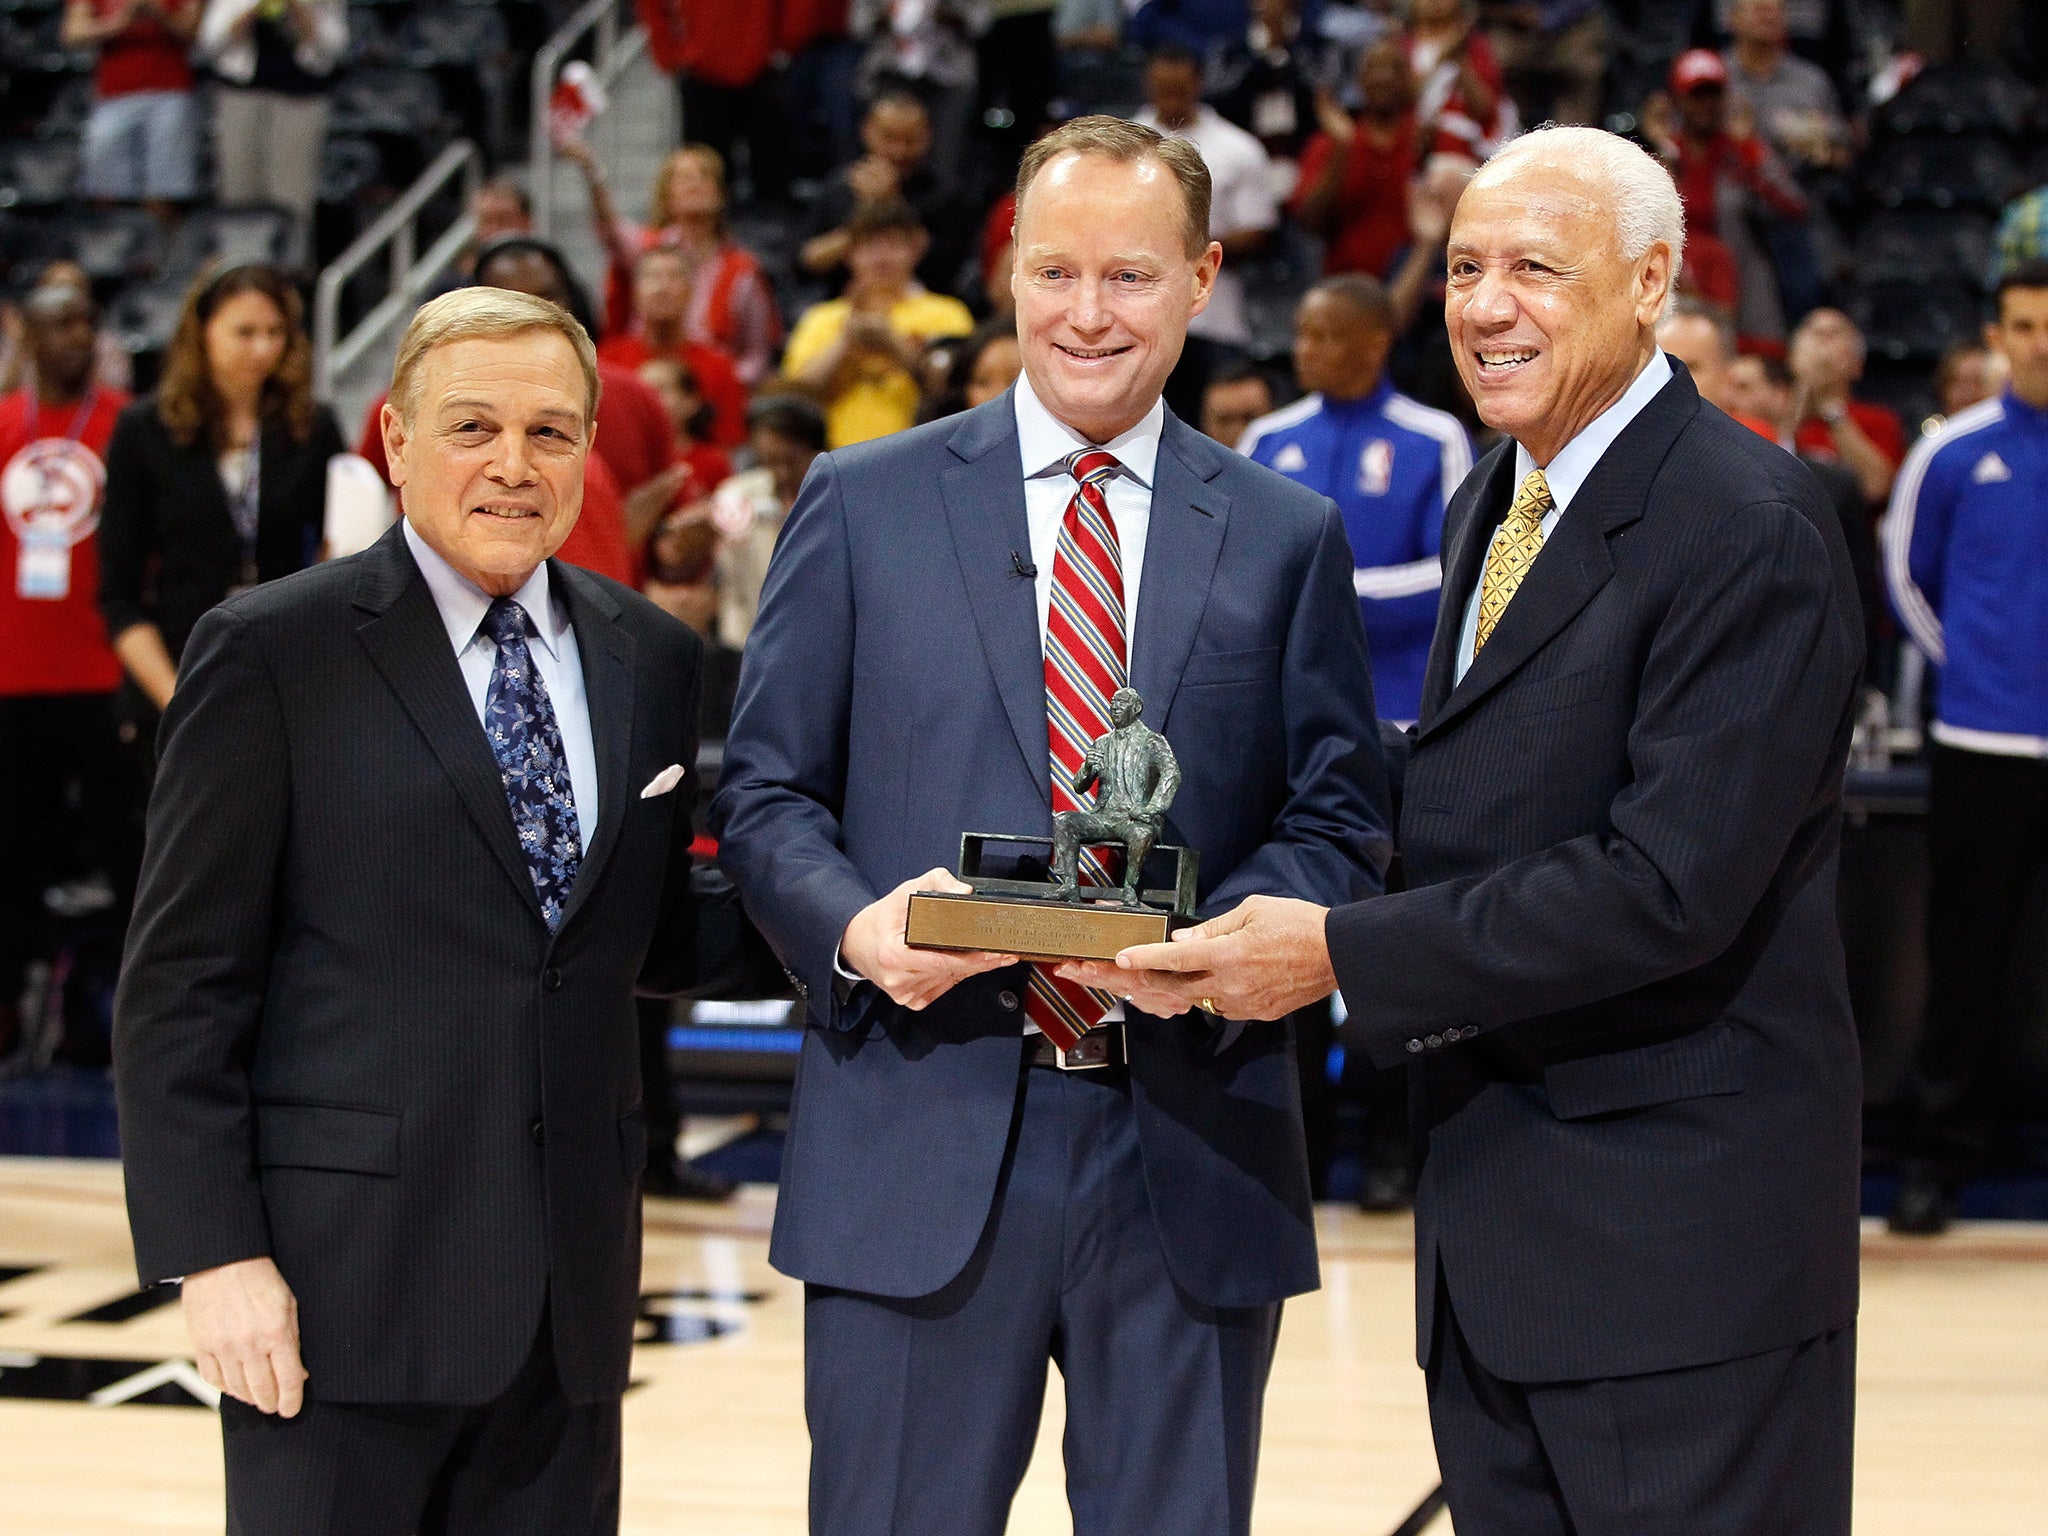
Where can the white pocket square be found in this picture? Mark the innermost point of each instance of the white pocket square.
(663, 781)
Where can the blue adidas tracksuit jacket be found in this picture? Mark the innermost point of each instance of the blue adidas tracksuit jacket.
(1966, 563)
(1390, 463)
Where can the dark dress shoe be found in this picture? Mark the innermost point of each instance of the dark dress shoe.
(1387, 1186)
(1923, 1206)
(677, 1178)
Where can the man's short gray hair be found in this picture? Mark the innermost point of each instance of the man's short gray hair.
(1640, 192)
(487, 314)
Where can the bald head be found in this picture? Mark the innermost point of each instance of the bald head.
(1704, 341)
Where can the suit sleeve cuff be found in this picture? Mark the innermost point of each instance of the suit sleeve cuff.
(1348, 933)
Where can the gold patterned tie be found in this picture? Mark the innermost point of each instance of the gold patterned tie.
(1516, 544)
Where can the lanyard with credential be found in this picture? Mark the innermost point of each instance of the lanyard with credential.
(76, 431)
(50, 493)
(244, 508)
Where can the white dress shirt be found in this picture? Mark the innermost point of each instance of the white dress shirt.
(1241, 200)
(1567, 472)
(463, 604)
(1044, 442)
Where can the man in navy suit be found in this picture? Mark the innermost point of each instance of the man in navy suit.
(1615, 973)
(946, 618)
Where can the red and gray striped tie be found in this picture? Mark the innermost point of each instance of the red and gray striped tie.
(1085, 662)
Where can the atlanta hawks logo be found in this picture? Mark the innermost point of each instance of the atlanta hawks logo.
(53, 486)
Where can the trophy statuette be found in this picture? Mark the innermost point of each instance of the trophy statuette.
(1135, 776)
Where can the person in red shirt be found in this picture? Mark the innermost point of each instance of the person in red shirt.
(1727, 179)
(722, 56)
(998, 253)
(57, 672)
(661, 310)
(1826, 358)
(1461, 98)
(1355, 173)
(732, 305)
(142, 138)
(700, 467)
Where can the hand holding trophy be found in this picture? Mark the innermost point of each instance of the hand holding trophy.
(1135, 776)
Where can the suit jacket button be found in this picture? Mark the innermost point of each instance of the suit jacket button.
(1434, 1042)
(1414, 1047)
(1007, 1001)
(551, 978)
(538, 1132)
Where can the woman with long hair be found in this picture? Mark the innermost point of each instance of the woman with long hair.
(732, 306)
(217, 480)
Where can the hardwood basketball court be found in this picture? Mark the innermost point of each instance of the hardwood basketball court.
(1952, 1435)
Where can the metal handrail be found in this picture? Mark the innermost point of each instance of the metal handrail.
(610, 58)
(410, 273)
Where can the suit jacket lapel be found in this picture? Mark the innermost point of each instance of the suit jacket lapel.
(1576, 561)
(608, 684)
(984, 496)
(1182, 544)
(409, 645)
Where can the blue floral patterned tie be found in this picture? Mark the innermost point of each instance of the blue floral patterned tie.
(520, 722)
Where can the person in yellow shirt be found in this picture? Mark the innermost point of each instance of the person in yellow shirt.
(861, 354)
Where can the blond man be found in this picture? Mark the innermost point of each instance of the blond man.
(422, 824)
(989, 1170)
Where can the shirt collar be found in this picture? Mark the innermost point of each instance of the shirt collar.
(463, 604)
(1370, 403)
(1046, 441)
(1575, 461)
(1204, 114)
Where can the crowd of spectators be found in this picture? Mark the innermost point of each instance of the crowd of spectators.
(827, 260)
(273, 64)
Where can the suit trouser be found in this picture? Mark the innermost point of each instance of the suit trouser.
(1753, 1447)
(529, 1463)
(657, 1080)
(54, 741)
(1987, 843)
(923, 1412)
(267, 149)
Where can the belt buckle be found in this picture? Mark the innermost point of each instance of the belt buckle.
(1089, 1053)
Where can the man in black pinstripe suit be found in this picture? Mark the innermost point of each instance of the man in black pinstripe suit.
(423, 821)
(1615, 973)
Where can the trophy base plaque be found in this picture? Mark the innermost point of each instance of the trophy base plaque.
(1029, 919)
(1032, 928)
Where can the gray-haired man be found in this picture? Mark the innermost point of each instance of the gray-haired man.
(421, 826)
(1615, 974)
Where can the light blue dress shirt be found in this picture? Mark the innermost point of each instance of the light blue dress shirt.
(1568, 471)
(463, 604)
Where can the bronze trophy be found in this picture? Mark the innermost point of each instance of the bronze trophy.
(1133, 772)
